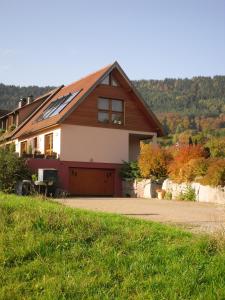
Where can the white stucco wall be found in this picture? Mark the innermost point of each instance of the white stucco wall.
(93, 144)
(41, 141)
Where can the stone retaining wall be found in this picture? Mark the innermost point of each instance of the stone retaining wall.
(140, 188)
(203, 193)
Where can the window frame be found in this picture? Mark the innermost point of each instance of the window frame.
(111, 79)
(35, 143)
(111, 112)
(21, 147)
(49, 151)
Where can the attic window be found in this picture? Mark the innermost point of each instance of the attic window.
(109, 80)
(105, 80)
(56, 106)
(114, 82)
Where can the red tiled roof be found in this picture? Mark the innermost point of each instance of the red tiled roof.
(84, 85)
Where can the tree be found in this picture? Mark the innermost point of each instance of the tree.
(216, 147)
(12, 170)
(153, 161)
(182, 157)
(190, 142)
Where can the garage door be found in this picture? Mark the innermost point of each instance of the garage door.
(91, 182)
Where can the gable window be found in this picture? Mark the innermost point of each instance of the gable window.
(106, 80)
(110, 111)
(109, 80)
(49, 144)
(113, 82)
(23, 147)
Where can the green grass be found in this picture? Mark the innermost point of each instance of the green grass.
(48, 251)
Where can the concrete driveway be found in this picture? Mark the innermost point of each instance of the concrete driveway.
(195, 216)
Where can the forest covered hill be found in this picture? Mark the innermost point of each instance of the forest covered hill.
(11, 94)
(180, 104)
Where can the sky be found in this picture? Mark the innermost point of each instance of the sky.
(46, 42)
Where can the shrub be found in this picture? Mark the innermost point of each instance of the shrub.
(195, 168)
(130, 170)
(153, 161)
(188, 194)
(182, 156)
(215, 175)
(12, 170)
(168, 195)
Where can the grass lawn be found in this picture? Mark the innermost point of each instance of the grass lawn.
(48, 251)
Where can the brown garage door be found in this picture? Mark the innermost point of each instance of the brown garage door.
(91, 182)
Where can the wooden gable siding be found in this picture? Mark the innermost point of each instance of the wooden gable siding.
(134, 116)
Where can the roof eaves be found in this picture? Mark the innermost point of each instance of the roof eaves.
(38, 108)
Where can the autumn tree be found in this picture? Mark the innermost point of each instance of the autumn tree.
(153, 161)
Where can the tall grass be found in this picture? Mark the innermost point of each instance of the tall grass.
(48, 251)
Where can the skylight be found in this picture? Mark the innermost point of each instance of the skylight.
(56, 106)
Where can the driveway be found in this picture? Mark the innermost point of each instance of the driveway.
(203, 217)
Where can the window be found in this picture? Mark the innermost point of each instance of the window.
(117, 105)
(35, 144)
(105, 80)
(117, 119)
(56, 106)
(23, 147)
(110, 111)
(103, 117)
(114, 82)
(103, 104)
(109, 80)
(49, 144)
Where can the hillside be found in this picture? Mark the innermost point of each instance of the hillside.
(48, 251)
(11, 94)
(196, 96)
(180, 104)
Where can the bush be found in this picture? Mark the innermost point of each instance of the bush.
(195, 168)
(182, 157)
(12, 170)
(188, 194)
(153, 161)
(168, 196)
(130, 170)
(215, 175)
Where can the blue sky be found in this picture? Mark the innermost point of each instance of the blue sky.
(57, 42)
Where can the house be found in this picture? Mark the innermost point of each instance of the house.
(85, 129)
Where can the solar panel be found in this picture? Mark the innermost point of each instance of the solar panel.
(64, 103)
(56, 106)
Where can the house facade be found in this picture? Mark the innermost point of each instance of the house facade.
(85, 130)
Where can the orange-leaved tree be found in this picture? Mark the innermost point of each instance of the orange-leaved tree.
(179, 169)
(215, 175)
(153, 161)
